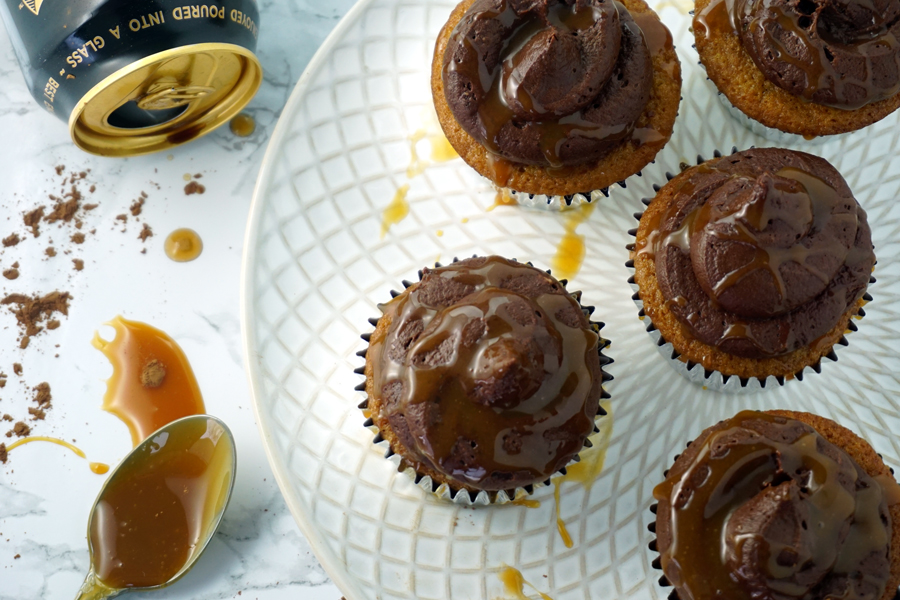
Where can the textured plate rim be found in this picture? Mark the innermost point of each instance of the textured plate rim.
(324, 554)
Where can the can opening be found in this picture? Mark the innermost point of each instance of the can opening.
(131, 116)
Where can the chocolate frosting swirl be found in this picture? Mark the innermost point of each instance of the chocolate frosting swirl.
(762, 507)
(839, 53)
(762, 252)
(489, 373)
(547, 82)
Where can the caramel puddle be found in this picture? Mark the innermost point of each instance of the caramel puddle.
(152, 382)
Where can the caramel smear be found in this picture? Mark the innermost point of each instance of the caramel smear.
(503, 198)
(98, 468)
(514, 584)
(441, 151)
(152, 382)
(588, 469)
(570, 252)
(396, 211)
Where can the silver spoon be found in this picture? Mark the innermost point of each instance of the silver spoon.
(205, 439)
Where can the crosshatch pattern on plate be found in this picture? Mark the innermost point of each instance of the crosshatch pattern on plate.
(318, 267)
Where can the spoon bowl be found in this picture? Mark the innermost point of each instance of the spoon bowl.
(159, 508)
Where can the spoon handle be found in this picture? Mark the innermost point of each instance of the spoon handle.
(93, 589)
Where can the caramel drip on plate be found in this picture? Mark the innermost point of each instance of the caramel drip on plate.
(571, 250)
(183, 245)
(144, 395)
(514, 584)
(396, 211)
(97, 468)
(737, 465)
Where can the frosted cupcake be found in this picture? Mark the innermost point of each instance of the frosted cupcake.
(809, 68)
(556, 97)
(484, 377)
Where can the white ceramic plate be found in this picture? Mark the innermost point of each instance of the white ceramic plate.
(316, 266)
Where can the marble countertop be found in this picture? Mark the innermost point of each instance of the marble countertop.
(46, 491)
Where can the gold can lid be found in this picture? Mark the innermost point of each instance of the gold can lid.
(165, 99)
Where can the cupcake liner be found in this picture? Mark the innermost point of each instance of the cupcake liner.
(559, 203)
(695, 372)
(463, 496)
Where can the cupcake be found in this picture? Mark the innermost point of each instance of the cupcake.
(778, 505)
(556, 97)
(484, 376)
(810, 68)
(752, 265)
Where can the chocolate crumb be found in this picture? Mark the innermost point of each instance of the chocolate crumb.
(32, 220)
(65, 209)
(16, 265)
(11, 240)
(194, 188)
(143, 194)
(145, 233)
(137, 207)
(24, 342)
(21, 429)
(3, 453)
(78, 238)
(11, 274)
(50, 251)
(198, 175)
(153, 374)
(93, 189)
(60, 169)
(90, 206)
(122, 217)
(17, 368)
(8, 418)
(36, 413)
(42, 395)
(53, 324)
(79, 266)
(32, 311)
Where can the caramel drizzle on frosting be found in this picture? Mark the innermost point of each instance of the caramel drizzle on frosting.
(842, 526)
(505, 104)
(534, 428)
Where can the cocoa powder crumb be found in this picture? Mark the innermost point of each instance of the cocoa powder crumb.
(78, 238)
(145, 233)
(50, 251)
(21, 429)
(153, 374)
(65, 209)
(11, 240)
(79, 266)
(11, 274)
(32, 220)
(194, 188)
(36, 413)
(137, 207)
(17, 368)
(32, 311)
(42, 396)
(3, 453)
(90, 206)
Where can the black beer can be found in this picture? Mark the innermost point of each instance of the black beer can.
(137, 76)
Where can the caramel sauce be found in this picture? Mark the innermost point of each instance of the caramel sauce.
(723, 481)
(502, 198)
(571, 250)
(396, 211)
(514, 584)
(588, 469)
(98, 468)
(890, 488)
(441, 151)
(183, 245)
(156, 511)
(526, 502)
(142, 407)
(243, 125)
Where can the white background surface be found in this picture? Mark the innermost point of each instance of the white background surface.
(45, 491)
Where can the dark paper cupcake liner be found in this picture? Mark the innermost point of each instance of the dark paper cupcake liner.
(560, 203)
(695, 372)
(464, 496)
